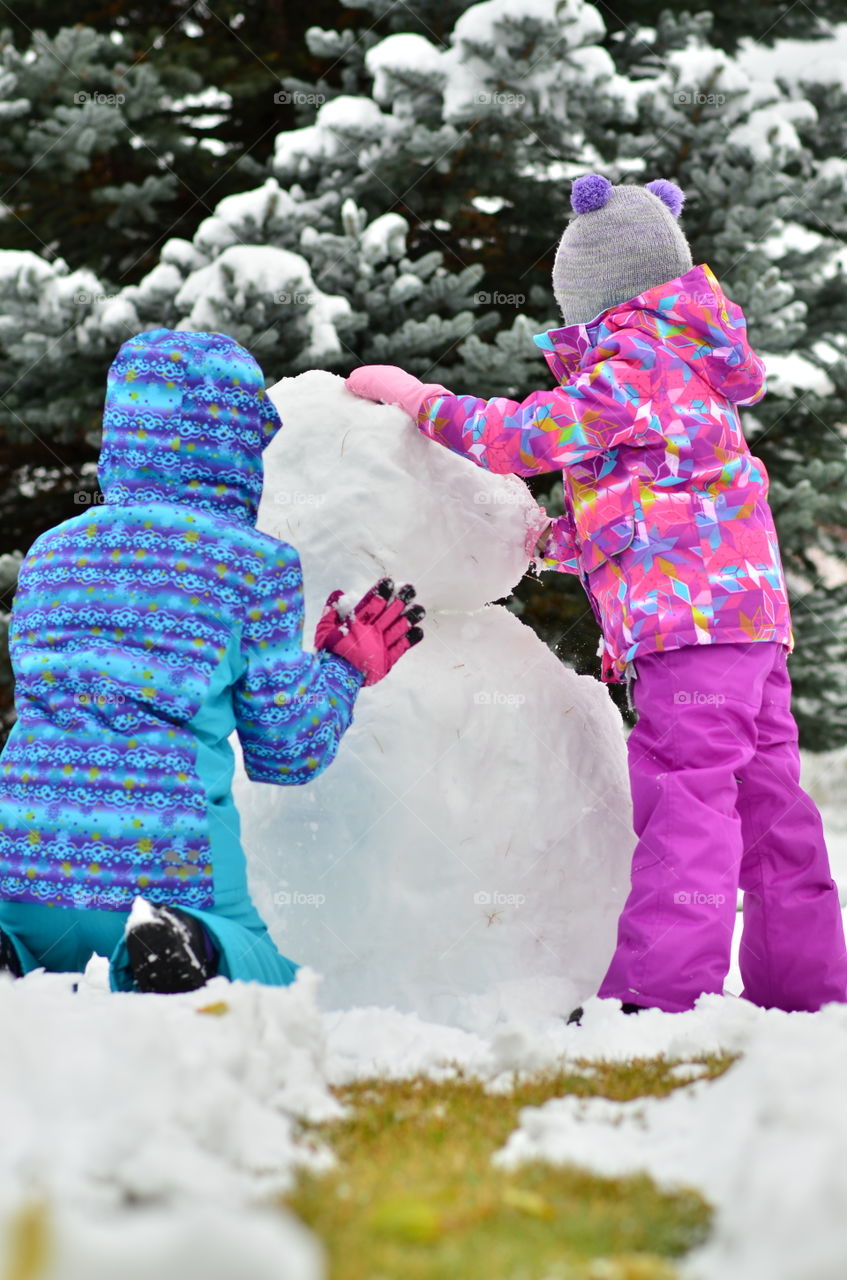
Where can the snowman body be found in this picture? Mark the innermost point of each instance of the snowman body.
(466, 855)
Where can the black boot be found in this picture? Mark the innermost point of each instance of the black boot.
(170, 952)
(9, 961)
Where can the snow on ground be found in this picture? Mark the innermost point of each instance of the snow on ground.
(764, 1143)
(148, 1137)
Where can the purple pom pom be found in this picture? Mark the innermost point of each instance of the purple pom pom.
(591, 191)
(669, 193)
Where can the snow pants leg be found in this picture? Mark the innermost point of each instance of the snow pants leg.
(792, 943)
(59, 939)
(717, 805)
(62, 940)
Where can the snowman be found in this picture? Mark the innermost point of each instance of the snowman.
(467, 854)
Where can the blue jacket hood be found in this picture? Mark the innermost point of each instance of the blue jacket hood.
(186, 420)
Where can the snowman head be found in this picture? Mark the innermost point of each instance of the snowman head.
(361, 494)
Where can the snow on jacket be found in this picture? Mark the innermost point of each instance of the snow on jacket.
(144, 631)
(666, 515)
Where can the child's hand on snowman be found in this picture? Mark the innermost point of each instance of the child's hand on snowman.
(376, 633)
(538, 529)
(388, 384)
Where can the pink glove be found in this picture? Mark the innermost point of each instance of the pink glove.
(390, 385)
(378, 631)
(538, 526)
(558, 549)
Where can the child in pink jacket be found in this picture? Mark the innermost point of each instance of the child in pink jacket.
(668, 526)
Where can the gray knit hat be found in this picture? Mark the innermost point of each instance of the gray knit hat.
(620, 241)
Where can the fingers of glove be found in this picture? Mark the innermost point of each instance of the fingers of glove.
(399, 626)
(397, 649)
(378, 667)
(395, 605)
(374, 602)
(395, 652)
(399, 641)
(392, 627)
(382, 604)
(329, 612)
(394, 615)
(386, 618)
(365, 382)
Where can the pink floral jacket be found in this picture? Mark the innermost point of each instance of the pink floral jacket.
(666, 514)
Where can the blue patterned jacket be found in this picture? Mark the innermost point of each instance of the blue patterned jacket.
(146, 629)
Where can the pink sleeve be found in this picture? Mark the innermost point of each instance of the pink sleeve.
(549, 430)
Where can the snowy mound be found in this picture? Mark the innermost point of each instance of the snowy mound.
(467, 853)
(156, 1141)
(361, 493)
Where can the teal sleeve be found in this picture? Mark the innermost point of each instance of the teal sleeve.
(292, 707)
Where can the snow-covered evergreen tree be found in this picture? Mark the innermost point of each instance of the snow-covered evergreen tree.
(412, 217)
(126, 123)
(766, 208)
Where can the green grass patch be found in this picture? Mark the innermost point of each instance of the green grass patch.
(415, 1197)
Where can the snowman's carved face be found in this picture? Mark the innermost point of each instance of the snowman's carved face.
(361, 494)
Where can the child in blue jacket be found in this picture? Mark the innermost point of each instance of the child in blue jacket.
(144, 631)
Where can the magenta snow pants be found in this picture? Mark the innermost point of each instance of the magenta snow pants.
(717, 806)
